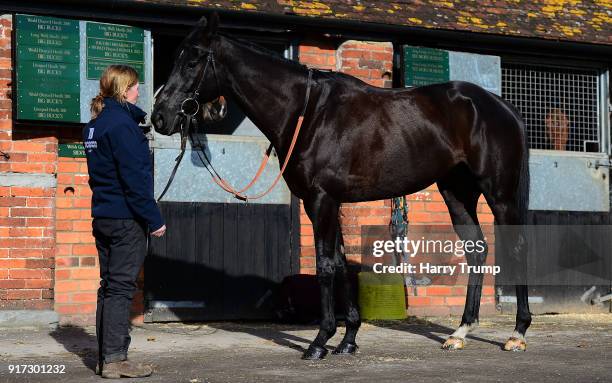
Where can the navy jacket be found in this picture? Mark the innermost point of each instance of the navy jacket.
(119, 164)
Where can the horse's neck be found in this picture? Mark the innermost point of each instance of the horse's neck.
(268, 91)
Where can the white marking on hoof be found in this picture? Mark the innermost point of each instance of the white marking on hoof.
(516, 343)
(453, 343)
(463, 330)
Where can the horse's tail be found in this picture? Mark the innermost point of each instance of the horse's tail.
(523, 186)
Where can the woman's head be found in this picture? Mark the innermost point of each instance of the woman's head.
(119, 82)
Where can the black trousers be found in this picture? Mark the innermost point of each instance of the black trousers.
(122, 247)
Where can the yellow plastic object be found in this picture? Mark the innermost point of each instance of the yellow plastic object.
(381, 296)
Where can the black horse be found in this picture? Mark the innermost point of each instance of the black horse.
(363, 143)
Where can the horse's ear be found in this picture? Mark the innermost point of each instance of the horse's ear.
(202, 22)
(213, 24)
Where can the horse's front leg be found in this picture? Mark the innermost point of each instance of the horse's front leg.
(323, 213)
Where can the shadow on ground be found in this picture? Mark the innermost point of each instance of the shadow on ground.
(78, 341)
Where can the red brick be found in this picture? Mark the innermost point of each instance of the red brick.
(25, 232)
(39, 284)
(307, 240)
(42, 157)
(12, 283)
(84, 250)
(30, 274)
(89, 284)
(65, 179)
(438, 290)
(63, 225)
(68, 167)
(82, 203)
(66, 286)
(307, 262)
(430, 311)
(313, 60)
(12, 263)
(68, 237)
(84, 297)
(39, 222)
(39, 202)
(87, 261)
(308, 251)
(436, 207)
(306, 230)
(40, 263)
(27, 253)
(67, 261)
(89, 273)
(488, 290)
(23, 294)
(83, 308)
(12, 201)
(33, 192)
(12, 222)
(28, 146)
(68, 213)
(455, 301)
(26, 212)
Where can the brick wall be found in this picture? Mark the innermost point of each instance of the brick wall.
(77, 269)
(48, 258)
(372, 63)
(27, 236)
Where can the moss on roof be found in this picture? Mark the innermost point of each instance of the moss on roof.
(570, 20)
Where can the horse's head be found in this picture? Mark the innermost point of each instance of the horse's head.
(192, 88)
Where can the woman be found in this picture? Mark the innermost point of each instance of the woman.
(124, 210)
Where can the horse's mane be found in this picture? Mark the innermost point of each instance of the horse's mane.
(263, 51)
(270, 54)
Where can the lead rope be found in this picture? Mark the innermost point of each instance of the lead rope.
(239, 193)
(179, 158)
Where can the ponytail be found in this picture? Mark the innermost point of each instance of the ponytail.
(97, 104)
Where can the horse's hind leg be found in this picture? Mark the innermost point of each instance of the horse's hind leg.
(323, 213)
(461, 193)
(512, 243)
(353, 320)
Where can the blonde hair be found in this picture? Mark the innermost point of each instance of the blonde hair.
(114, 82)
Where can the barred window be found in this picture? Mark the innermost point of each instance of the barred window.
(559, 105)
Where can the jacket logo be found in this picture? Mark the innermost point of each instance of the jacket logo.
(90, 135)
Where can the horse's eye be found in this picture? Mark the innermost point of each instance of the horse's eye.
(192, 64)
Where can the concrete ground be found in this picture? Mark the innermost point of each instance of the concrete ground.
(561, 348)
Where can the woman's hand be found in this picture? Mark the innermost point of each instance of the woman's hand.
(159, 232)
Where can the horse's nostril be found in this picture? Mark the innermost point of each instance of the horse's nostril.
(158, 120)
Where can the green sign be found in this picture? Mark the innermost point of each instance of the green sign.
(58, 63)
(424, 66)
(114, 44)
(47, 69)
(71, 150)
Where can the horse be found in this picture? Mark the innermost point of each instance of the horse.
(468, 141)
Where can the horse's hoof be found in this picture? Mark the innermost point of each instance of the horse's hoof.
(314, 353)
(345, 349)
(453, 343)
(515, 344)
